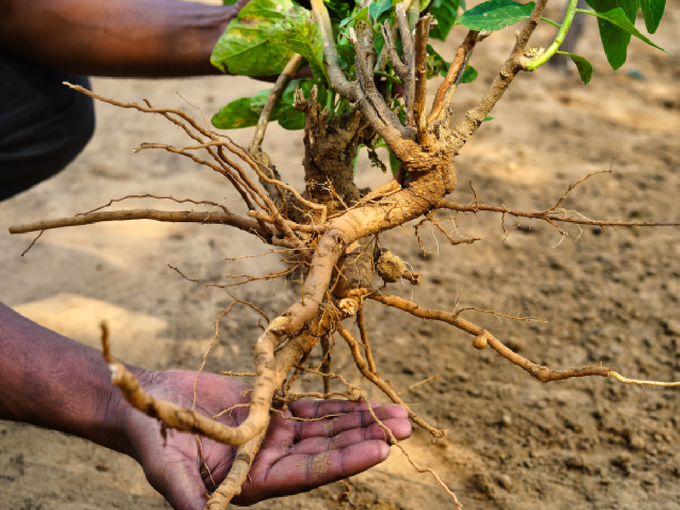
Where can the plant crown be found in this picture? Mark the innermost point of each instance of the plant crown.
(267, 33)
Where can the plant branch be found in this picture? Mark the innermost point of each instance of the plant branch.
(559, 38)
(255, 148)
(336, 76)
(363, 48)
(420, 99)
(444, 95)
(274, 96)
(408, 51)
(513, 65)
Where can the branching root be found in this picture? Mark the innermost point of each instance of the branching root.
(482, 338)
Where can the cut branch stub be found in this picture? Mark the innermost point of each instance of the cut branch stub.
(422, 35)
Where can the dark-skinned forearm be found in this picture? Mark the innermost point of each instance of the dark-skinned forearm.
(130, 38)
(51, 381)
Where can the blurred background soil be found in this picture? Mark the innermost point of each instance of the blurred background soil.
(608, 295)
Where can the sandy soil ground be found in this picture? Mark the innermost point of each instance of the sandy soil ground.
(608, 296)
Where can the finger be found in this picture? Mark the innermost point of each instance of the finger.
(353, 420)
(401, 429)
(318, 408)
(298, 473)
(180, 483)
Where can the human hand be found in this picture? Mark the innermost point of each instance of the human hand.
(295, 456)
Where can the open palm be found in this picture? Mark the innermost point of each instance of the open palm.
(296, 456)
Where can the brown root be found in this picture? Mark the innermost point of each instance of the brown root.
(188, 420)
(484, 338)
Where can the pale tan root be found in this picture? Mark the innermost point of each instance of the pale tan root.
(384, 387)
(394, 442)
(232, 484)
(188, 420)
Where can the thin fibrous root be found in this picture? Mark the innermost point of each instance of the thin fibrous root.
(394, 442)
(380, 383)
(415, 385)
(621, 378)
(148, 109)
(247, 279)
(552, 214)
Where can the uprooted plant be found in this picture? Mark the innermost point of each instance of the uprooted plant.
(370, 64)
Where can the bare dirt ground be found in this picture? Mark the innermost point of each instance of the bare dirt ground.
(609, 296)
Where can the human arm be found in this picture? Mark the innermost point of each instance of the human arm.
(130, 38)
(53, 382)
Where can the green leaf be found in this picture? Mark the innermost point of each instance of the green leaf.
(615, 31)
(585, 68)
(436, 64)
(376, 9)
(488, 119)
(298, 31)
(339, 9)
(359, 15)
(652, 10)
(470, 74)
(345, 54)
(229, 2)
(445, 12)
(292, 119)
(615, 40)
(244, 47)
(258, 101)
(388, 77)
(236, 114)
(495, 15)
(375, 159)
(245, 112)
